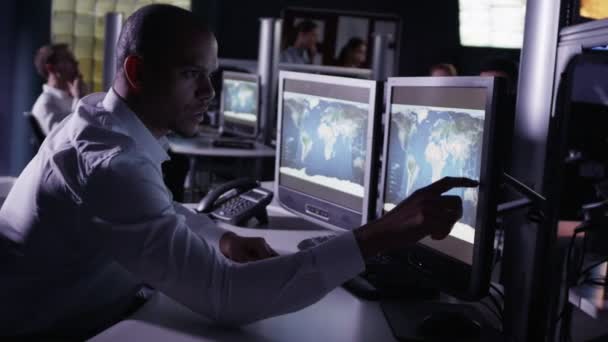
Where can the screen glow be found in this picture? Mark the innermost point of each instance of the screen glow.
(594, 9)
(492, 23)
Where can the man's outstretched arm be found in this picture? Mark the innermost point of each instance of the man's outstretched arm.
(139, 228)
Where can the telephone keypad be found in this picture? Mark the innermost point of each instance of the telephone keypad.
(234, 206)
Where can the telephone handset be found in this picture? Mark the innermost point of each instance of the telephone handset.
(237, 201)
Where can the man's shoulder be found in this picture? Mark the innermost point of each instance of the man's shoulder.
(93, 135)
(93, 125)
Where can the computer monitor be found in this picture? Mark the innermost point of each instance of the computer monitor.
(325, 148)
(362, 73)
(438, 127)
(240, 103)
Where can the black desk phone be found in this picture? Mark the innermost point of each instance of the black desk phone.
(237, 201)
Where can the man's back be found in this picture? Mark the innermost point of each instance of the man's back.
(60, 268)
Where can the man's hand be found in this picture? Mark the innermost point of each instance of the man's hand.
(77, 88)
(426, 212)
(245, 249)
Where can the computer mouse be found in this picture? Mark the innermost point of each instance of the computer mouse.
(452, 326)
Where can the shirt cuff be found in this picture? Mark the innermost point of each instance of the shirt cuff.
(339, 259)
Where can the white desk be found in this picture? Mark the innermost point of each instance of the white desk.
(337, 317)
(592, 299)
(201, 146)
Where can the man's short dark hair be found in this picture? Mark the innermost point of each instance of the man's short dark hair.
(306, 26)
(48, 54)
(502, 64)
(448, 68)
(150, 29)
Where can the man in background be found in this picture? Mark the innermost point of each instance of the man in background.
(502, 67)
(304, 48)
(508, 70)
(443, 70)
(63, 88)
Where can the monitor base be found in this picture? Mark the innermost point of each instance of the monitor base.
(368, 289)
(233, 143)
(417, 320)
(389, 277)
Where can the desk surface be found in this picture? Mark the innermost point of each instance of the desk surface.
(338, 317)
(592, 299)
(201, 146)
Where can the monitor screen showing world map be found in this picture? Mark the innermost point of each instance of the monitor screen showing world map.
(436, 132)
(240, 101)
(324, 141)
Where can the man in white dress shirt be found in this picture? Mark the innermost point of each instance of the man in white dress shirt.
(63, 88)
(90, 219)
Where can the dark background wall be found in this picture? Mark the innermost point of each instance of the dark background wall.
(7, 38)
(430, 29)
(430, 35)
(24, 26)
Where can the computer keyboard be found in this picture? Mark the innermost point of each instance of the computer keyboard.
(385, 276)
(314, 241)
(379, 259)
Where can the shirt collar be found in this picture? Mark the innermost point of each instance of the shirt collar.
(55, 91)
(302, 53)
(136, 129)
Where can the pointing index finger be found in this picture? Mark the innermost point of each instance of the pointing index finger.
(448, 183)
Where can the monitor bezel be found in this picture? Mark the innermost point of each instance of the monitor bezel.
(328, 70)
(247, 77)
(371, 154)
(453, 276)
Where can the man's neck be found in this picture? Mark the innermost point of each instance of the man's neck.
(134, 104)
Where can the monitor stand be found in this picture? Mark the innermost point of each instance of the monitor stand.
(418, 320)
(227, 140)
(372, 288)
(389, 276)
(233, 143)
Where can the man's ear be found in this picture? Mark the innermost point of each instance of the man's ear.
(133, 69)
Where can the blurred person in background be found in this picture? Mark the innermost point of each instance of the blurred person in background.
(63, 88)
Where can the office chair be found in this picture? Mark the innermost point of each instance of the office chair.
(37, 136)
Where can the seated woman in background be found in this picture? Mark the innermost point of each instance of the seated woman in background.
(353, 54)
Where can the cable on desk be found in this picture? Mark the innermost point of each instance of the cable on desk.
(492, 310)
(497, 305)
(572, 277)
(600, 282)
(592, 266)
(498, 290)
(568, 280)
